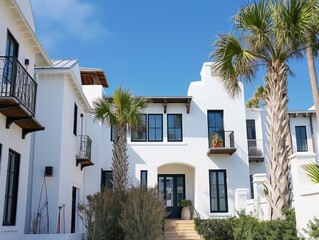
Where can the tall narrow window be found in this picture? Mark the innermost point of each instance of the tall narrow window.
(107, 179)
(215, 124)
(138, 133)
(0, 155)
(11, 193)
(9, 70)
(301, 139)
(75, 119)
(112, 134)
(143, 178)
(155, 127)
(73, 212)
(174, 128)
(251, 186)
(218, 191)
(251, 133)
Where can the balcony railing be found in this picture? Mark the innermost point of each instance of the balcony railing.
(221, 142)
(16, 82)
(84, 151)
(255, 150)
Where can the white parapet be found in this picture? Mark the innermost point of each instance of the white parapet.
(306, 193)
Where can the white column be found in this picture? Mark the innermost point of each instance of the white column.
(259, 195)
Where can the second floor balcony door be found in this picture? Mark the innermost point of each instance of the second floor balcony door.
(216, 124)
(7, 81)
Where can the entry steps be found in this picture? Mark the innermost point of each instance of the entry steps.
(180, 230)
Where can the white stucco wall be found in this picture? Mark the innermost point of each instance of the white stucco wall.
(57, 146)
(190, 155)
(25, 49)
(12, 138)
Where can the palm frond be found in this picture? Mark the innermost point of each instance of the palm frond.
(312, 171)
(232, 62)
(255, 21)
(102, 112)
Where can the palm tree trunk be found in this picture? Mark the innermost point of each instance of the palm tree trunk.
(120, 165)
(313, 80)
(278, 130)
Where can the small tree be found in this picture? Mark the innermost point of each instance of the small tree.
(120, 111)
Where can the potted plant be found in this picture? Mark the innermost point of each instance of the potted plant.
(217, 141)
(186, 209)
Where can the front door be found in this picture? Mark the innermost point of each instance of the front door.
(172, 190)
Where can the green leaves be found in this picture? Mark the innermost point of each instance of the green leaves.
(312, 171)
(121, 109)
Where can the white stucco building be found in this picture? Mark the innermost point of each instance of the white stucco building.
(20, 50)
(174, 148)
(62, 153)
(52, 154)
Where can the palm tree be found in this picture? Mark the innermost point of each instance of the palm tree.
(293, 27)
(121, 111)
(260, 43)
(258, 99)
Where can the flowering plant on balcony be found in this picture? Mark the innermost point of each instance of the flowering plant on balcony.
(217, 141)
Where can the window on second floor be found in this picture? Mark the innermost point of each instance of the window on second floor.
(301, 139)
(138, 133)
(151, 129)
(251, 133)
(215, 120)
(174, 128)
(155, 127)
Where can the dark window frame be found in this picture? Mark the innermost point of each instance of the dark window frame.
(144, 183)
(104, 180)
(75, 119)
(300, 139)
(155, 127)
(137, 129)
(112, 134)
(218, 192)
(12, 39)
(217, 129)
(168, 127)
(12, 196)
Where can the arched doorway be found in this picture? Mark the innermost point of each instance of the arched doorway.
(175, 182)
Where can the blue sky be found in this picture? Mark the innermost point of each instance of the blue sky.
(154, 47)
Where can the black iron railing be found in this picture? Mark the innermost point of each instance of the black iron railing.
(255, 148)
(222, 139)
(84, 151)
(16, 82)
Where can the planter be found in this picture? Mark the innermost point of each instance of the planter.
(186, 213)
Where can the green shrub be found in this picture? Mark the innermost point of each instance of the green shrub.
(248, 228)
(101, 215)
(215, 229)
(313, 228)
(185, 203)
(143, 214)
(116, 215)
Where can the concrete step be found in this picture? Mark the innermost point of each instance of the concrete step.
(180, 230)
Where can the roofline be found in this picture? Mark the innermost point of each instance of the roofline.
(42, 51)
(52, 67)
(87, 106)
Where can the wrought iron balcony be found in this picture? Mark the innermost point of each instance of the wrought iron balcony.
(18, 95)
(221, 142)
(84, 151)
(255, 150)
